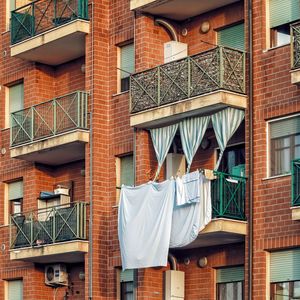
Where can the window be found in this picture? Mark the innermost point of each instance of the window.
(285, 275)
(233, 156)
(282, 13)
(233, 36)
(126, 66)
(15, 100)
(14, 290)
(284, 144)
(124, 172)
(15, 197)
(230, 283)
(127, 285)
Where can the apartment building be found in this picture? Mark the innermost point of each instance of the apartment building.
(83, 84)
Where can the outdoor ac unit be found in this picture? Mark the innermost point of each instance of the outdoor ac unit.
(174, 285)
(56, 275)
(174, 50)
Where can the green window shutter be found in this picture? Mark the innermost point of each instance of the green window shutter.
(127, 60)
(15, 290)
(16, 97)
(233, 274)
(285, 265)
(285, 127)
(127, 276)
(233, 37)
(15, 190)
(127, 172)
(282, 12)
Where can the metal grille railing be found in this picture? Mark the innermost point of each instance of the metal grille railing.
(296, 182)
(50, 118)
(47, 226)
(42, 15)
(295, 45)
(218, 68)
(228, 196)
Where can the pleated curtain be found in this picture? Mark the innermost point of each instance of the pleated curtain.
(225, 124)
(162, 139)
(192, 131)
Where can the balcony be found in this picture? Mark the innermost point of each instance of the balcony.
(296, 189)
(50, 235)
(196, 85)
(228, 223)
(50, 31)
(52, 133)
(295, 53)
(177, 9)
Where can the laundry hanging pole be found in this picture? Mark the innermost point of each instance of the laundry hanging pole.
(162, 139)
(225, 124)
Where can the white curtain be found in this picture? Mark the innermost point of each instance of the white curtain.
(225, 124)
(162, 139)
(191, 132)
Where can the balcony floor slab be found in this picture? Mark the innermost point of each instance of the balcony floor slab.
(57, 150)
(220, 232)
(68, 252)
(56, 46)
(200, 105)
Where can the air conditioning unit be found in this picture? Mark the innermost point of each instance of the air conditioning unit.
(174, 50)
(56, 275)
(174, 285)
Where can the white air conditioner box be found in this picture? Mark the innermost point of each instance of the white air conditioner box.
(56, 275)
(174, 51)
(61, 190)
(174, 285)
(175, 165)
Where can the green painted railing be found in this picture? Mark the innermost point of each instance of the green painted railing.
(220, 68)
(41, 15)
(295, 45)
(296, 182)
(49, 118)
(48, 226)
(228, 196)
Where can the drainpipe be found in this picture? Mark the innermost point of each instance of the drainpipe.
(169, 28)
(173, 262)
(250, 181)
(90, 271)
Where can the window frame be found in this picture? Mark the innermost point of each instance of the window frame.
(231, 282)
(119, 62)
(119, 284)
(6, 287)
(269, 146)
(290, 286)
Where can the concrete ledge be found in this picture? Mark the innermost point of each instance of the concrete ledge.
(136, 4)
(295, 76)
(226, 225)
(55, 46)
(72, 251)
(200, 105)
(295, 213)
(55, 150)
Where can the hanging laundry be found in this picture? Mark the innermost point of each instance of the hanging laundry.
(189, 219)
(144, 224)
(188, 188)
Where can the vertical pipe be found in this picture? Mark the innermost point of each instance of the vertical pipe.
(250, 181)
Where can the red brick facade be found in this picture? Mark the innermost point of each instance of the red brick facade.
(113, 24)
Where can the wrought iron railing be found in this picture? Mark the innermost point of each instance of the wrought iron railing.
(295, 45)
(296, 182)
(41, 15)
(48, 226)
(49, 118)
(218, 68)
(228, 196)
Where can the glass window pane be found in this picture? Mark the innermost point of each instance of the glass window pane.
(230, 291)
(280, 291)
(296, 289)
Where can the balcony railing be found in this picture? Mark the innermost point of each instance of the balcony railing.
(296, 182)
(228, 196)
(218, 68)
(50, 118)
(295, 45)
(48, 226)
(42, 15)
